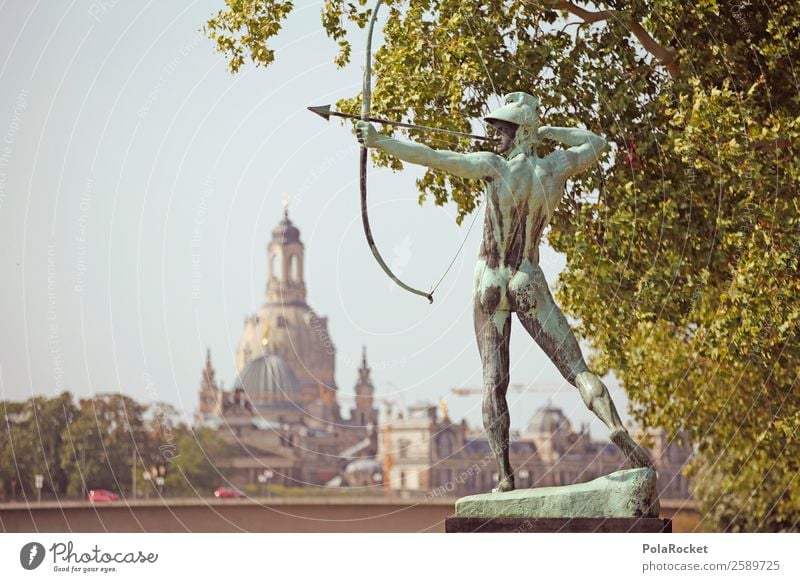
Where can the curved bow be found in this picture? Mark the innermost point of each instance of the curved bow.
(365, 114)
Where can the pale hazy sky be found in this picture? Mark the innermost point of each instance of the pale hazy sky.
(139, 184)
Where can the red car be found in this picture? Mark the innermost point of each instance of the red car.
(228, 493)
(100, 495)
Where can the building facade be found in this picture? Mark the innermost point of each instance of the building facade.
(424, 452)
(284, 418)
(283, 414)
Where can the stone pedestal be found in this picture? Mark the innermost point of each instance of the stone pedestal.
(629, 493)
(557, 525)
(624, 501)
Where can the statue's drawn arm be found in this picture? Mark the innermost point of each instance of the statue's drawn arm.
(474, 165)
(586, 148)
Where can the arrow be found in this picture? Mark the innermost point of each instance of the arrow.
(325, 112)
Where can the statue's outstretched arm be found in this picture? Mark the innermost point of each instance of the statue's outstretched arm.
(586, 148)
(476, 165)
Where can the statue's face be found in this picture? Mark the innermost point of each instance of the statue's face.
(505, 131)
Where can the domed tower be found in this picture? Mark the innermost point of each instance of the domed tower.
(549, 421)
(551, 431)
(268, 387)
(293, 331)
(364, 412)
(268, 379)
(285, 283)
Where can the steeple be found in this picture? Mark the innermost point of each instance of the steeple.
(207, 380)
(363, 371)
(209, 392)
(364, 413)
(285, 253)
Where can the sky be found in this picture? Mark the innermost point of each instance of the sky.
(139, 185)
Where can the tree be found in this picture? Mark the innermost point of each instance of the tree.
(682, 251)
(194, 471)
(30, 444)
(190, 457)
(99, 445)
(94, 445)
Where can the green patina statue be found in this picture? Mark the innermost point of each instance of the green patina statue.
(523, 191)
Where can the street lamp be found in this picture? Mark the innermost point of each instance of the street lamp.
(161, 473)
(263, 479)
(157, 474)
(83, 463)
(377, 478)
(147, 479)
(39, 480)
(523, 475)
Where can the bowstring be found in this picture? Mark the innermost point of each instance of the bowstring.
(468, 20)
(518, 223)
(458, 252)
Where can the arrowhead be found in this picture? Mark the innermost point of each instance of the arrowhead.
(324, 111)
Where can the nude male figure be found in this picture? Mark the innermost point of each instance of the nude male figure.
(522, 195)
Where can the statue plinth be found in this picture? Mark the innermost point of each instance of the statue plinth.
(619, 502)
(557, 525)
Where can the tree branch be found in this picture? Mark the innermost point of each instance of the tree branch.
(664, 55)
(763, 146)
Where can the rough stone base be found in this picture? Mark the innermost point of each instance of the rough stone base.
(551, 525)
(630, 493)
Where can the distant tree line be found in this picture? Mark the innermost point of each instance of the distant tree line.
(108, 441)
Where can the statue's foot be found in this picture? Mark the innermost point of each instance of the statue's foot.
(635, 454)
(506, 484)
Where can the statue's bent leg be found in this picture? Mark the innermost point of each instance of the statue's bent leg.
(493, 330)
(545, 322)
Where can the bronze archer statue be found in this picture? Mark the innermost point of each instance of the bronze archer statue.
(522, 194)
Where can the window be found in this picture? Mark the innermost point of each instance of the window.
(675, 453)
(567, 477)
(445, 445)
(402, 448)
(275, 266)
(445, 476)
(525, 478)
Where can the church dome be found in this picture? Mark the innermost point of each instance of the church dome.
(363, 465)
(286, 232)
(548, 420)
(268, 376)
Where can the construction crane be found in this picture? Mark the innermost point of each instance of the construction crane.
(540, 388)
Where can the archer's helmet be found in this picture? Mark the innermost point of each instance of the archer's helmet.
(519, 108)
